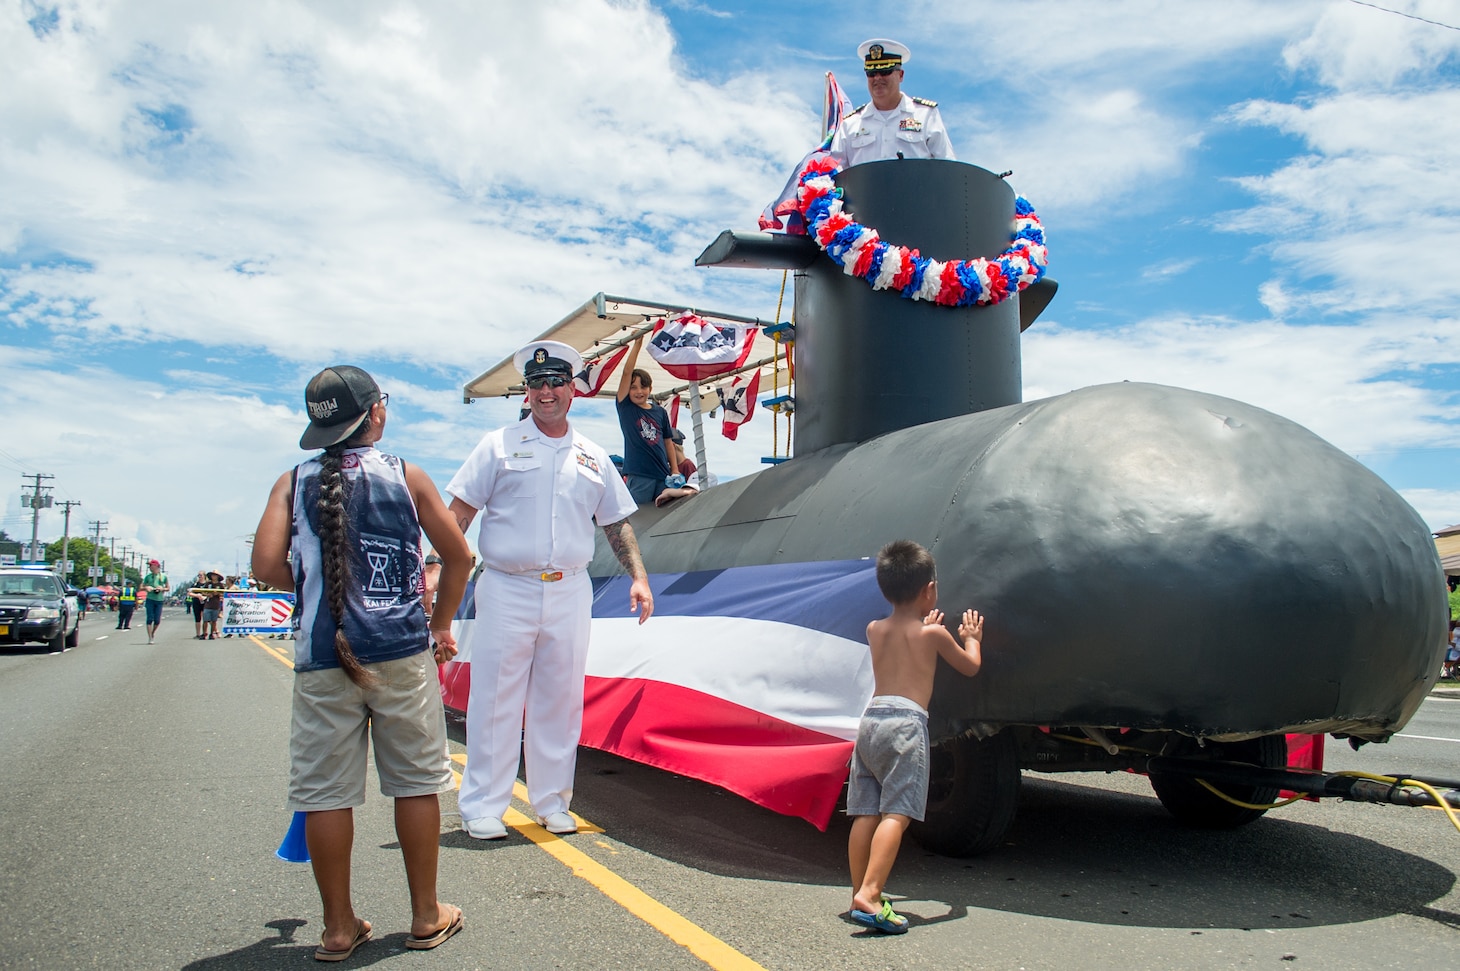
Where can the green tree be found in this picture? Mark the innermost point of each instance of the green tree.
(78, 551)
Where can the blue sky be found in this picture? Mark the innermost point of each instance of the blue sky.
(205, 204)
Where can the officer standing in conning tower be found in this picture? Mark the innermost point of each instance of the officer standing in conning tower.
(893, 125)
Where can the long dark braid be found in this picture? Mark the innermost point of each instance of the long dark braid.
(334, 541)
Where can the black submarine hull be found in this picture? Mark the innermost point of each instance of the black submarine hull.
(1163, 571)
(1147, 557)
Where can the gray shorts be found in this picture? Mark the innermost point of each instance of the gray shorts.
(327, 744)
(890, 762)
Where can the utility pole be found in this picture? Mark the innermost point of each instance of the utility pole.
(96, 550)
(66, 539)
(39, 498)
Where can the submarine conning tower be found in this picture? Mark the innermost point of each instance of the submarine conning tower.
(871, 361)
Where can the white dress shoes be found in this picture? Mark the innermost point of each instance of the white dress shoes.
(484, 828)
(559, 823)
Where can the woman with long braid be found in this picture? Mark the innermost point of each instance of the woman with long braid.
(343, 530)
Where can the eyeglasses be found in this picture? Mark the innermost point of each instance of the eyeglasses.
(384, 397)
(880, 72)
(552, 381)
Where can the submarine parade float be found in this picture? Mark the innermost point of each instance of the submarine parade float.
(1174, 582)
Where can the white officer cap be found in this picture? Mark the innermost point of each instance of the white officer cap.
(547, 357)
(879, 53)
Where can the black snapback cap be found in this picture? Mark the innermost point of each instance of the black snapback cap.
(338, 399)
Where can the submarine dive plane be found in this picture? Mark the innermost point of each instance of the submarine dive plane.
(1174, 582)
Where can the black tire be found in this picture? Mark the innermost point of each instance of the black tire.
(973, 791)
(1196, 806)
(74, 638)
(57, 644)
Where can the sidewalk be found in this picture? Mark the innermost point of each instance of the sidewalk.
(1451, 690)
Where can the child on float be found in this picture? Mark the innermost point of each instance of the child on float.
(648, 450)
(889, 776)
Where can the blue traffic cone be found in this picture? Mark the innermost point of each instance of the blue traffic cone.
(295, 848)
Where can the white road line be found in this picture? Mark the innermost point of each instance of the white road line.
(1428, 738)
(102, 637)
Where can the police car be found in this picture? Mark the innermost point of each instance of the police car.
(36, 606)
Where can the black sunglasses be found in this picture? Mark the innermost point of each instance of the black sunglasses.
(552, 381)
(384, 397)
(881, 72)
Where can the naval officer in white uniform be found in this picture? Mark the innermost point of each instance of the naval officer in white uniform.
(892, 125)
(540, 486)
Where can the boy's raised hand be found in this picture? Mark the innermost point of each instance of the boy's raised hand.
(972, 626)
(934, 618)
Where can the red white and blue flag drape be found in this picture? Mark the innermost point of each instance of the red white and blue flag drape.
(768, 702)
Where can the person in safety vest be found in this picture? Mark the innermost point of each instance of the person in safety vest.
(126, 603)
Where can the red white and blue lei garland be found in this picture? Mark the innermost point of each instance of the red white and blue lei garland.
(860, 252)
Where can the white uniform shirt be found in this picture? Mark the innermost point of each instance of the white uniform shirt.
(913, 128)
(539, 497)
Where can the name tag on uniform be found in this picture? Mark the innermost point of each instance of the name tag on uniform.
(909, 124)
(522, 455)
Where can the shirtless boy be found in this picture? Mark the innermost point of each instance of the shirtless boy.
(889, 781)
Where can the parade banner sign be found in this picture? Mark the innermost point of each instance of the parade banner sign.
(248, 612)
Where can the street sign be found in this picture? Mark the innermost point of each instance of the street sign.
(7, 559)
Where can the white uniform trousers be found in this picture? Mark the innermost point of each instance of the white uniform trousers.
(529, 651)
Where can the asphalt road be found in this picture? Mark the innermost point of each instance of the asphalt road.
(141, 800)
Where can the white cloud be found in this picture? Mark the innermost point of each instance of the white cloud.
(1357, 387)
(180, 472)
(1354, 45)
(339, 173)
(1437, 507)
(1372, 207)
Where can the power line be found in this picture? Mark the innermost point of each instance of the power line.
(1401, 13)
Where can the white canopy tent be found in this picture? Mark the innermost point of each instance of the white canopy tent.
(606, 323)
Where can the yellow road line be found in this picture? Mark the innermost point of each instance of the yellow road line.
(682, 931)
(273, 652)
(679, 929)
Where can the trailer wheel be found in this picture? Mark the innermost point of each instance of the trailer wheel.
(973, 790)
(1195, 805)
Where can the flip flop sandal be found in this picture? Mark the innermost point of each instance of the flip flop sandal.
(323, 953)
(885, 921)
(436, 939)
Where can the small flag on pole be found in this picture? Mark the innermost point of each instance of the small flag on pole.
(737, 397)
(587, 382)
(835, 105)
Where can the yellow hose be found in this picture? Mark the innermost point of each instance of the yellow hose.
(1424, 787)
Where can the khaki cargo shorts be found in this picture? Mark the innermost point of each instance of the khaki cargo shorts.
(405, 721)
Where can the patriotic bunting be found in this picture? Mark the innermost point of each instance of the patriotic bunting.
(860, 252)
(693, 349)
